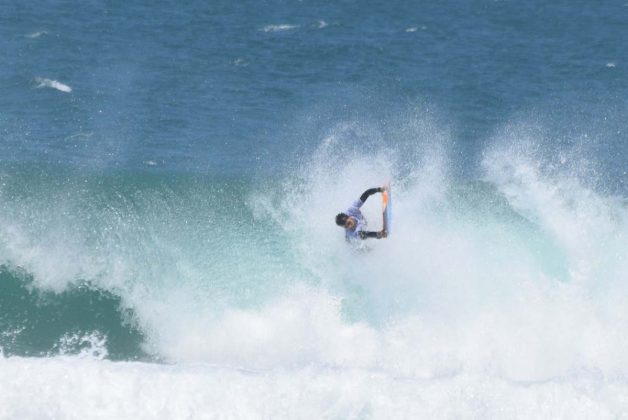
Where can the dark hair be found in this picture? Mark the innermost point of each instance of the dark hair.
(341, 219)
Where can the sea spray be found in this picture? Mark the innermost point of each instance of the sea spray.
(483, 276)
(513, 278)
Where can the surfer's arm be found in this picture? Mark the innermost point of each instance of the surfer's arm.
(366, 194)
(366, 234)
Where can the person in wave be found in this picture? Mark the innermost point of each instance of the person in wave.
(354, 222)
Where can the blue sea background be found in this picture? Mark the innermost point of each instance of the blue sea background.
(223, 87)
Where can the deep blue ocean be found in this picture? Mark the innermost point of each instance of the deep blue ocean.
(170, 172)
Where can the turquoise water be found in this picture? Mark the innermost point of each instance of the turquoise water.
(169, 176)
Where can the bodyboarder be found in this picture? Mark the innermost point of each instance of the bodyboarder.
(353, 221)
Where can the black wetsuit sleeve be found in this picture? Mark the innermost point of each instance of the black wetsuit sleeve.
(366, 194)
(364, 234)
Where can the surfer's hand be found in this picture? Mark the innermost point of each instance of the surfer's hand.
(384, 233)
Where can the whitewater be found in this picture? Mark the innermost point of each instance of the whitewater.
(500, 297)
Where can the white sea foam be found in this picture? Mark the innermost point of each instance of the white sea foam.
(416, 28)
(36, 34)
(507, 305)
(91, 345)
(65, 387)
(240, 62)
(54, 84)
(279, 28)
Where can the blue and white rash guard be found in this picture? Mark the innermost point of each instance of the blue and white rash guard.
(360, 226)
(359, 231)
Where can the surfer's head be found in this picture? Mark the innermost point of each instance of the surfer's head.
(341, 219)
(345, 221)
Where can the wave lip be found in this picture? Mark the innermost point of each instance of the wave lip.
(54, 84)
